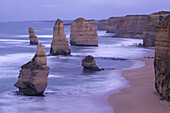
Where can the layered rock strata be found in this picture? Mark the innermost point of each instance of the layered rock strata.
(112, 24)
(93, 23)
(162, 58)
(131, 26)
(83, 34)
(102, 24)
(149, 32)
(89, 63)
(32, 37)
(59, 45)
(33, 75)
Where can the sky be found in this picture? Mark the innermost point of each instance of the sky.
(30, 10)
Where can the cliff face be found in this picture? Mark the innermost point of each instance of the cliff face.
(102, 24)
(112, 24)
(93, 23)
(162, 58)
(83, 34)
(131, 26)
(59, 45)
(33, 75)
(149, 32)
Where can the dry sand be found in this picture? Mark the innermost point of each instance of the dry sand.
(141, 97)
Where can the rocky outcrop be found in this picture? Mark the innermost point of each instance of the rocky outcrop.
(83, 34)
(59, 45)
(89, 63)
(102, 24)
(33, 75)
(131, 26)
(32, 37)
(162, 58)
(149, 32)
(93, 23)
(112, 24)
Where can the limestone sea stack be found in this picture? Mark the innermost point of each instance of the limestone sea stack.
(59, 45)
(83, 34)
(89, 63)
(102, 24)
(149, 32)
(33, 75)
(93, 23)
(32, 37)
(162, 58)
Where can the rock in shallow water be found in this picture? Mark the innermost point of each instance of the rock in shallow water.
(32, 37)
(59, 44)
(83, 34)
(162, 58)
(33, 75)
(89, 63)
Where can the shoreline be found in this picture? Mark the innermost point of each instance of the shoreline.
(141, 97)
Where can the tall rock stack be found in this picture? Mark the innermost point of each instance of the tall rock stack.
(59, 45)
(102, 24)
(162, 58)
(32, 37)
(83, 34)
(93, 23)
(131, 26)
(112, 24)
(149, 32)
(33, 75)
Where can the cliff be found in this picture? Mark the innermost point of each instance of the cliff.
(149, 32)
(102, 24)
(162, 58)
(83, 34)
(93, 23)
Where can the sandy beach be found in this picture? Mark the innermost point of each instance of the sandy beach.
(141, 97)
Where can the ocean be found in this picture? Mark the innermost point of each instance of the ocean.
(70, 89)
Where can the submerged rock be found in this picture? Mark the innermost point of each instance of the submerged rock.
(83, 34)
(89, 63)
(59, 45)
(32, 37)
(33, 75)
(162, 58)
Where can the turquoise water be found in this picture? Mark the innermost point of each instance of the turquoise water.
(70, 88)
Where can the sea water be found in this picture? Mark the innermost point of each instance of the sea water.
(70, 89)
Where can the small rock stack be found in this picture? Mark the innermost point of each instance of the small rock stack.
(162, 58)
(32, 37)
(59, 45)
(83, 34)
(33, 75)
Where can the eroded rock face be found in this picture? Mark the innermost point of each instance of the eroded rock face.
(162, 58)
(83, 34)
(93, 23)
(89, 63)
(32, 37)
(33, 75)
(131, 26)
(102, 24)
(149, 32)
(112, 24)
(59, 45)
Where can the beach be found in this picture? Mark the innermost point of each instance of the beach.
(141, 97)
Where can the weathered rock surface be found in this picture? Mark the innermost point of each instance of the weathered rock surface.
(131, 26)
(33, 75)
(93, 23)
(102, 24)
(149, 32)
(89, 63)
(83, 34)
(112, 24)
(59, 45)
(162, 58)
(32, 37)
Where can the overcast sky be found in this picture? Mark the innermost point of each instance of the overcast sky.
(23, 10)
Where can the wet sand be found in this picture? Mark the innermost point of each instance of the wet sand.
(141, 97)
